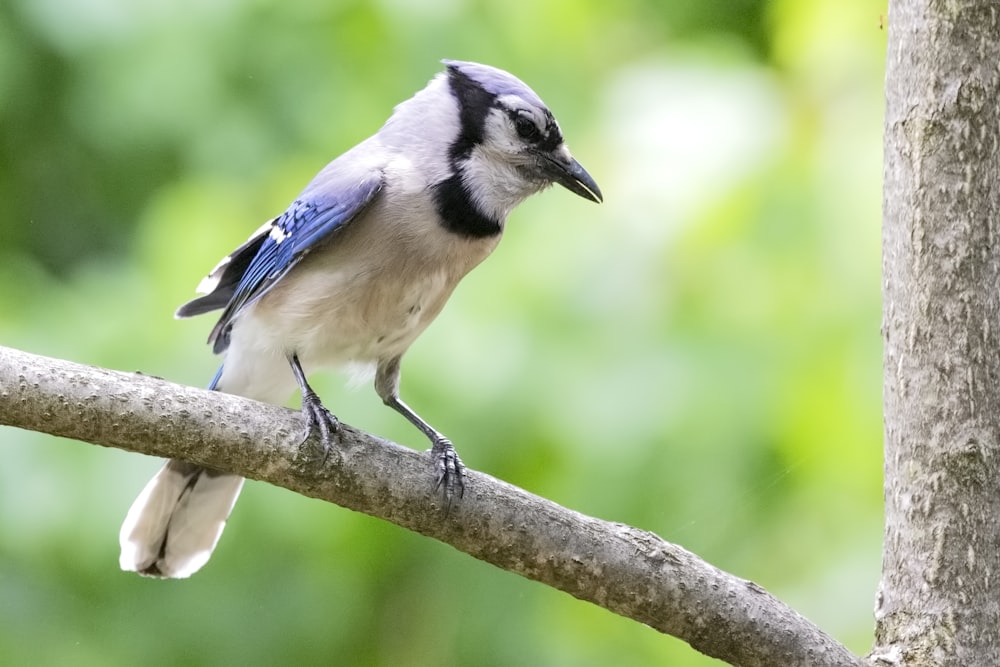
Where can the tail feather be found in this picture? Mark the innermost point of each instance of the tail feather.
(175, 523)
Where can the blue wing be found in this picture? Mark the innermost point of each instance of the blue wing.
(256, 266)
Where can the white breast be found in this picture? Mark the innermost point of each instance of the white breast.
(364, 297)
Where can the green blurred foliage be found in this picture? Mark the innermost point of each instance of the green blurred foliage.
(699, 356)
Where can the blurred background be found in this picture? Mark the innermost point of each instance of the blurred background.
(699, 356)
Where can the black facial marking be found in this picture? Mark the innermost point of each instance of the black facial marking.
(458, 212)
(547, 139)
(553, 137)
(474, 104)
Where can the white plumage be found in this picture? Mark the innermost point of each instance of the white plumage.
(177, 520)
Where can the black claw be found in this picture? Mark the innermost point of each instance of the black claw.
(449, 469)
(318, 418)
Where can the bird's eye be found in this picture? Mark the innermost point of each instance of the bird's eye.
(526, 128)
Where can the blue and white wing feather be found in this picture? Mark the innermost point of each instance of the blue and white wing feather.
(246, 274)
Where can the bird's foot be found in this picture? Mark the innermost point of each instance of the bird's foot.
(449, 469)
(322, 421)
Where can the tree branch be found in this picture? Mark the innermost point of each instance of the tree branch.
(623, 569)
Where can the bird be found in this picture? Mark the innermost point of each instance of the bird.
(351, 273)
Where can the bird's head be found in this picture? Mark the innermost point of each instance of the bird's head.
(509, 145)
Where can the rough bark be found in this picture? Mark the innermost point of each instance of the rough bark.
(939, 598)
(623, 569)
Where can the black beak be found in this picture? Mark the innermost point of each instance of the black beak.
(572, 176)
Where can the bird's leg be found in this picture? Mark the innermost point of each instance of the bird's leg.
(448, 468)
(317, 417)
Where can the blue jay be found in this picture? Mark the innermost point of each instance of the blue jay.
(353, 271)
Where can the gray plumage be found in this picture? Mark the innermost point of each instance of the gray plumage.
(356, 268)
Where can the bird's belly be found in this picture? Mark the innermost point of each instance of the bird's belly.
(340, 317)
(380, 320)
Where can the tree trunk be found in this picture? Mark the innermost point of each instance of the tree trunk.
(939, 598)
